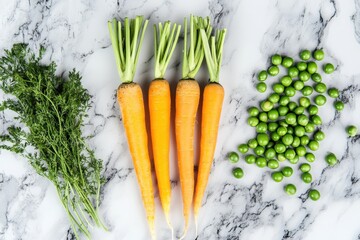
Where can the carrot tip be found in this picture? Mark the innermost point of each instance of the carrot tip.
(184, 233)
(196, 226)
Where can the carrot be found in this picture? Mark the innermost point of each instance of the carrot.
(211, 111)
(127, 44)
(186, 104)
(165, 41)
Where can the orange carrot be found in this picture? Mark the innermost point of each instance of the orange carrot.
(186, 104)
(127, 39)
(159, 108)
(212, 106)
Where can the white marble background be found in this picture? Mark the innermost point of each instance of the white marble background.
(76, 35)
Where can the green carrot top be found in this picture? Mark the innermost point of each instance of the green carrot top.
(194, 55)
(127, 38)
(165, 40)
(213, 48)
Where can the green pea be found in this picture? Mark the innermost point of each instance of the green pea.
(301, 151)
(314, 194)
(301, 66)
(287, 171)
(238, 173)
(290, 153)
(333, 93)
(284, 100)
(304, 76)
(283, 110)
(319, 135)
(273, 164)
(292, 105)
(278, 88)
(290, 91)
(272, 126)
(304, 140)
(250, 159)
(262, 75)
(290, 130)
(351, 130)
(339, 105)
(318, 54)
(305, 167)
(273, 114)
(233, 157)
(277, 176)
(259, 150)
(311, 67)
(274, 97)
(320, 87)
(305, 55)
(294, 160)
(306, 177)
(287, 62)
(310, 127)
(276, 59)
(281, 131)
(316, 119)
(331, 159)
(320, 100)
(281, 157)
(287, 139)
(296, 142)
(313, 145)
(299, 110)
(290, 189)
(298, 85)
(253, 111)
(286, 81)
(307, 90)
(270, 144)
(263, 117)
(243, 148)
(293, 72)
(310, 157)
(262, 139)
(302, 120)
(261, 87)
(261, 162)
(283, 123)
(275, 136)
(328, 68)
(313, 109)
(261, 127)
(266, 105)
(280, 148)
(253, 121)
(290, 118)
(273, 70)
(270, 153)
(252, 143)
(299, 131)
(304, 101)
(316, 77)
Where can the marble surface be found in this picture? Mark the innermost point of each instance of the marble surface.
(76, 35)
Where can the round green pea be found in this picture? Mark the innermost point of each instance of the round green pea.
(281, 130)
(290, 153)
(287, 171)
(305, 167)
(319, 135)
(259, 150)
(276, 59)
(320, 87)
(298, 85)
(263, 117)
(270, 144)
(331, 159)
(351, 130)
(306, 177)
(277, 176)
(316, 119)
(292, 105)
(287, 139)
(301, 151)
(261, 127)
(261, 87)
(273, 114)
(311, 67)
(270, 153)
(302, 120)
(314, 194)
(283, 110)
(275, 136)
(261, 162)
(294, 160)
(278, 88)
(273, 164)
(310, 127)
(301, 66)
(310, 157)
(320, 100)
(290, 91)
(333, 93)
(253, 121)
(283, 123)
(299, 131)
(290, 118)
(262, 75)
(279, 148)
(266, 105)
(304, 76)
(272, 126)
(328, 68)
(238, 173)
(233, 157)
(253, 111)
(287, 62)
(293, 72)
(304, 140)
(262, 139)
(286, 80)
(274, 97)
(284, 100)
(318, 54)
(290, 189)
(304, 102)
(252, 143)
(316, 77)
(313, 109)
(290, 130)
(273, 70)
(307, 90)
(339, 105)
(296, 142)
(313, 145)
(281, 157)
(305, 55)
(250, 159)
(299, 110)
(243, 148)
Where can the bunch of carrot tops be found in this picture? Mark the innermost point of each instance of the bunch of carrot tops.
(127, 38)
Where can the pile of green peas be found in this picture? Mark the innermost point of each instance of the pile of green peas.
(288, 130)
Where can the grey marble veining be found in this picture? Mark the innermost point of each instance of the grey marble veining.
(76, 35)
